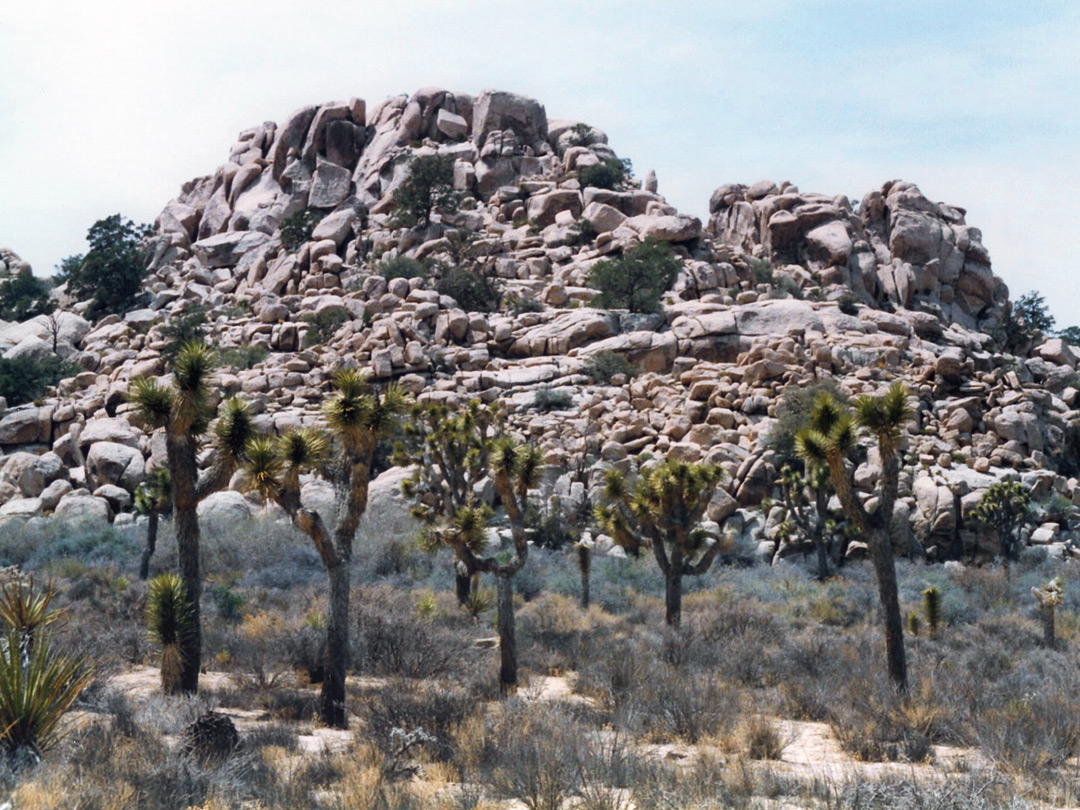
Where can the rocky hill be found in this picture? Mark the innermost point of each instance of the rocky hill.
(779, 288)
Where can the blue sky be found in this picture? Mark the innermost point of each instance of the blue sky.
(110, 106)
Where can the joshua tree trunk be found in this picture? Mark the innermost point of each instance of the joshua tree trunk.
(508, 676)
(151, 544)
(337, 647)
(673, 597)
(881, 555)
(1049, 630)
(822, 505)
(181, 455)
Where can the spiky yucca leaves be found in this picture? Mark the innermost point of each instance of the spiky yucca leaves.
(153, 497)
(27, 609)
(825, 443)
(37, 686)
(153, 401)
(170, 623)
(931, 604)
(805, 505)
(663, 511)
(1004, 507)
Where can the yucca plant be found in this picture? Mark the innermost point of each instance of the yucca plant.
(931, 604)
(37, 685)
(357, 418)
(184, 411)
(826, 442)
(170, 622)
(583, 553)
(664, 511)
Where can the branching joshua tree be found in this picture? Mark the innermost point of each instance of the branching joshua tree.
(358, 418)
(451, 453)
(806, 511)
(184, 410)
(826, 442)
(153, 498)
(1004, 507)
(664, 511)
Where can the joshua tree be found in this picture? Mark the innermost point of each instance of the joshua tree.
(357, 418)
(153, 497)
(185, 411)
(170, 623)
(931, 604)
(451, 452)
(1004, 507)
(806, 511)
(664, 510)
(584, 561)
(828, 439)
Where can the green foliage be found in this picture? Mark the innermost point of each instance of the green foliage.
(170, 623)
(112, 271)
(547, 399)
(612, 174)
(1004, 507)
(582, 233)
(402, 267)
(296, 229)
(520, 305)
(227, 601)
(847, 304)
(37, 684)
(931, 605)
(603, 366)
(428, 188)
(322, 326)
(474, 292)
(181, 330)
(636, 281)
(1027, 320)
(763, 271)
(24, 296)
(25, 379)
(1070, 334)
(792, 413)
(243, 357)
(154, 494)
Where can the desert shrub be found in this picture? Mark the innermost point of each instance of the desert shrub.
(762, 271)
(323, 325)
(25, 379)
(393, 641)
(604, 365)
(1028, 318)
(979, 791)
(792, 413)
(582, 233)
(243, 357)
(402, 267)
(763, 738)
(519, 305)
(684, 704)
(296, 229)
(612, 174)
(437, 708)
(473, 291)
(636, 281)
(847, 304)
(547, 399)
(428, 188)
(1029, 731)
(187, 327)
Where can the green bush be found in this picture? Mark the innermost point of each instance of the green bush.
(612, 174)
(111, 273)
(548, 399)
(604, 365)
(24, 296)
(181, 330)
(519, 305)
(402, 267)
(473, 291)
(428, 188)
(243, 357)
(321, 327)
(637, 280)
(296, 229)
(1027, 320)
(24, 379)
(847, 305)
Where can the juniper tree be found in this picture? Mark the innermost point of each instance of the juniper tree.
(664, 511)
(826, 442)
(450, 451)
(357, 418)
(185, 411)
(429, 187)
(1004, 508)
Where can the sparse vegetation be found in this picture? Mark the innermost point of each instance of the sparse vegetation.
(322, 326)
(402, 267)
(612, 174)
(473, 291)
(604, 366)
(428, 188)
(636, 281)
(25, 379)
(296, 229)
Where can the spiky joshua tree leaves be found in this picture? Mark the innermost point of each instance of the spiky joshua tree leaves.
(450, 451)
(1004, 508)
(664, 511)
(185, 411)
(170, 623)
(828, 439)
(357, 418)
(153, 497)
(453, 454)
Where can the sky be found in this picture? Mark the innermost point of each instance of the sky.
(111, 106)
